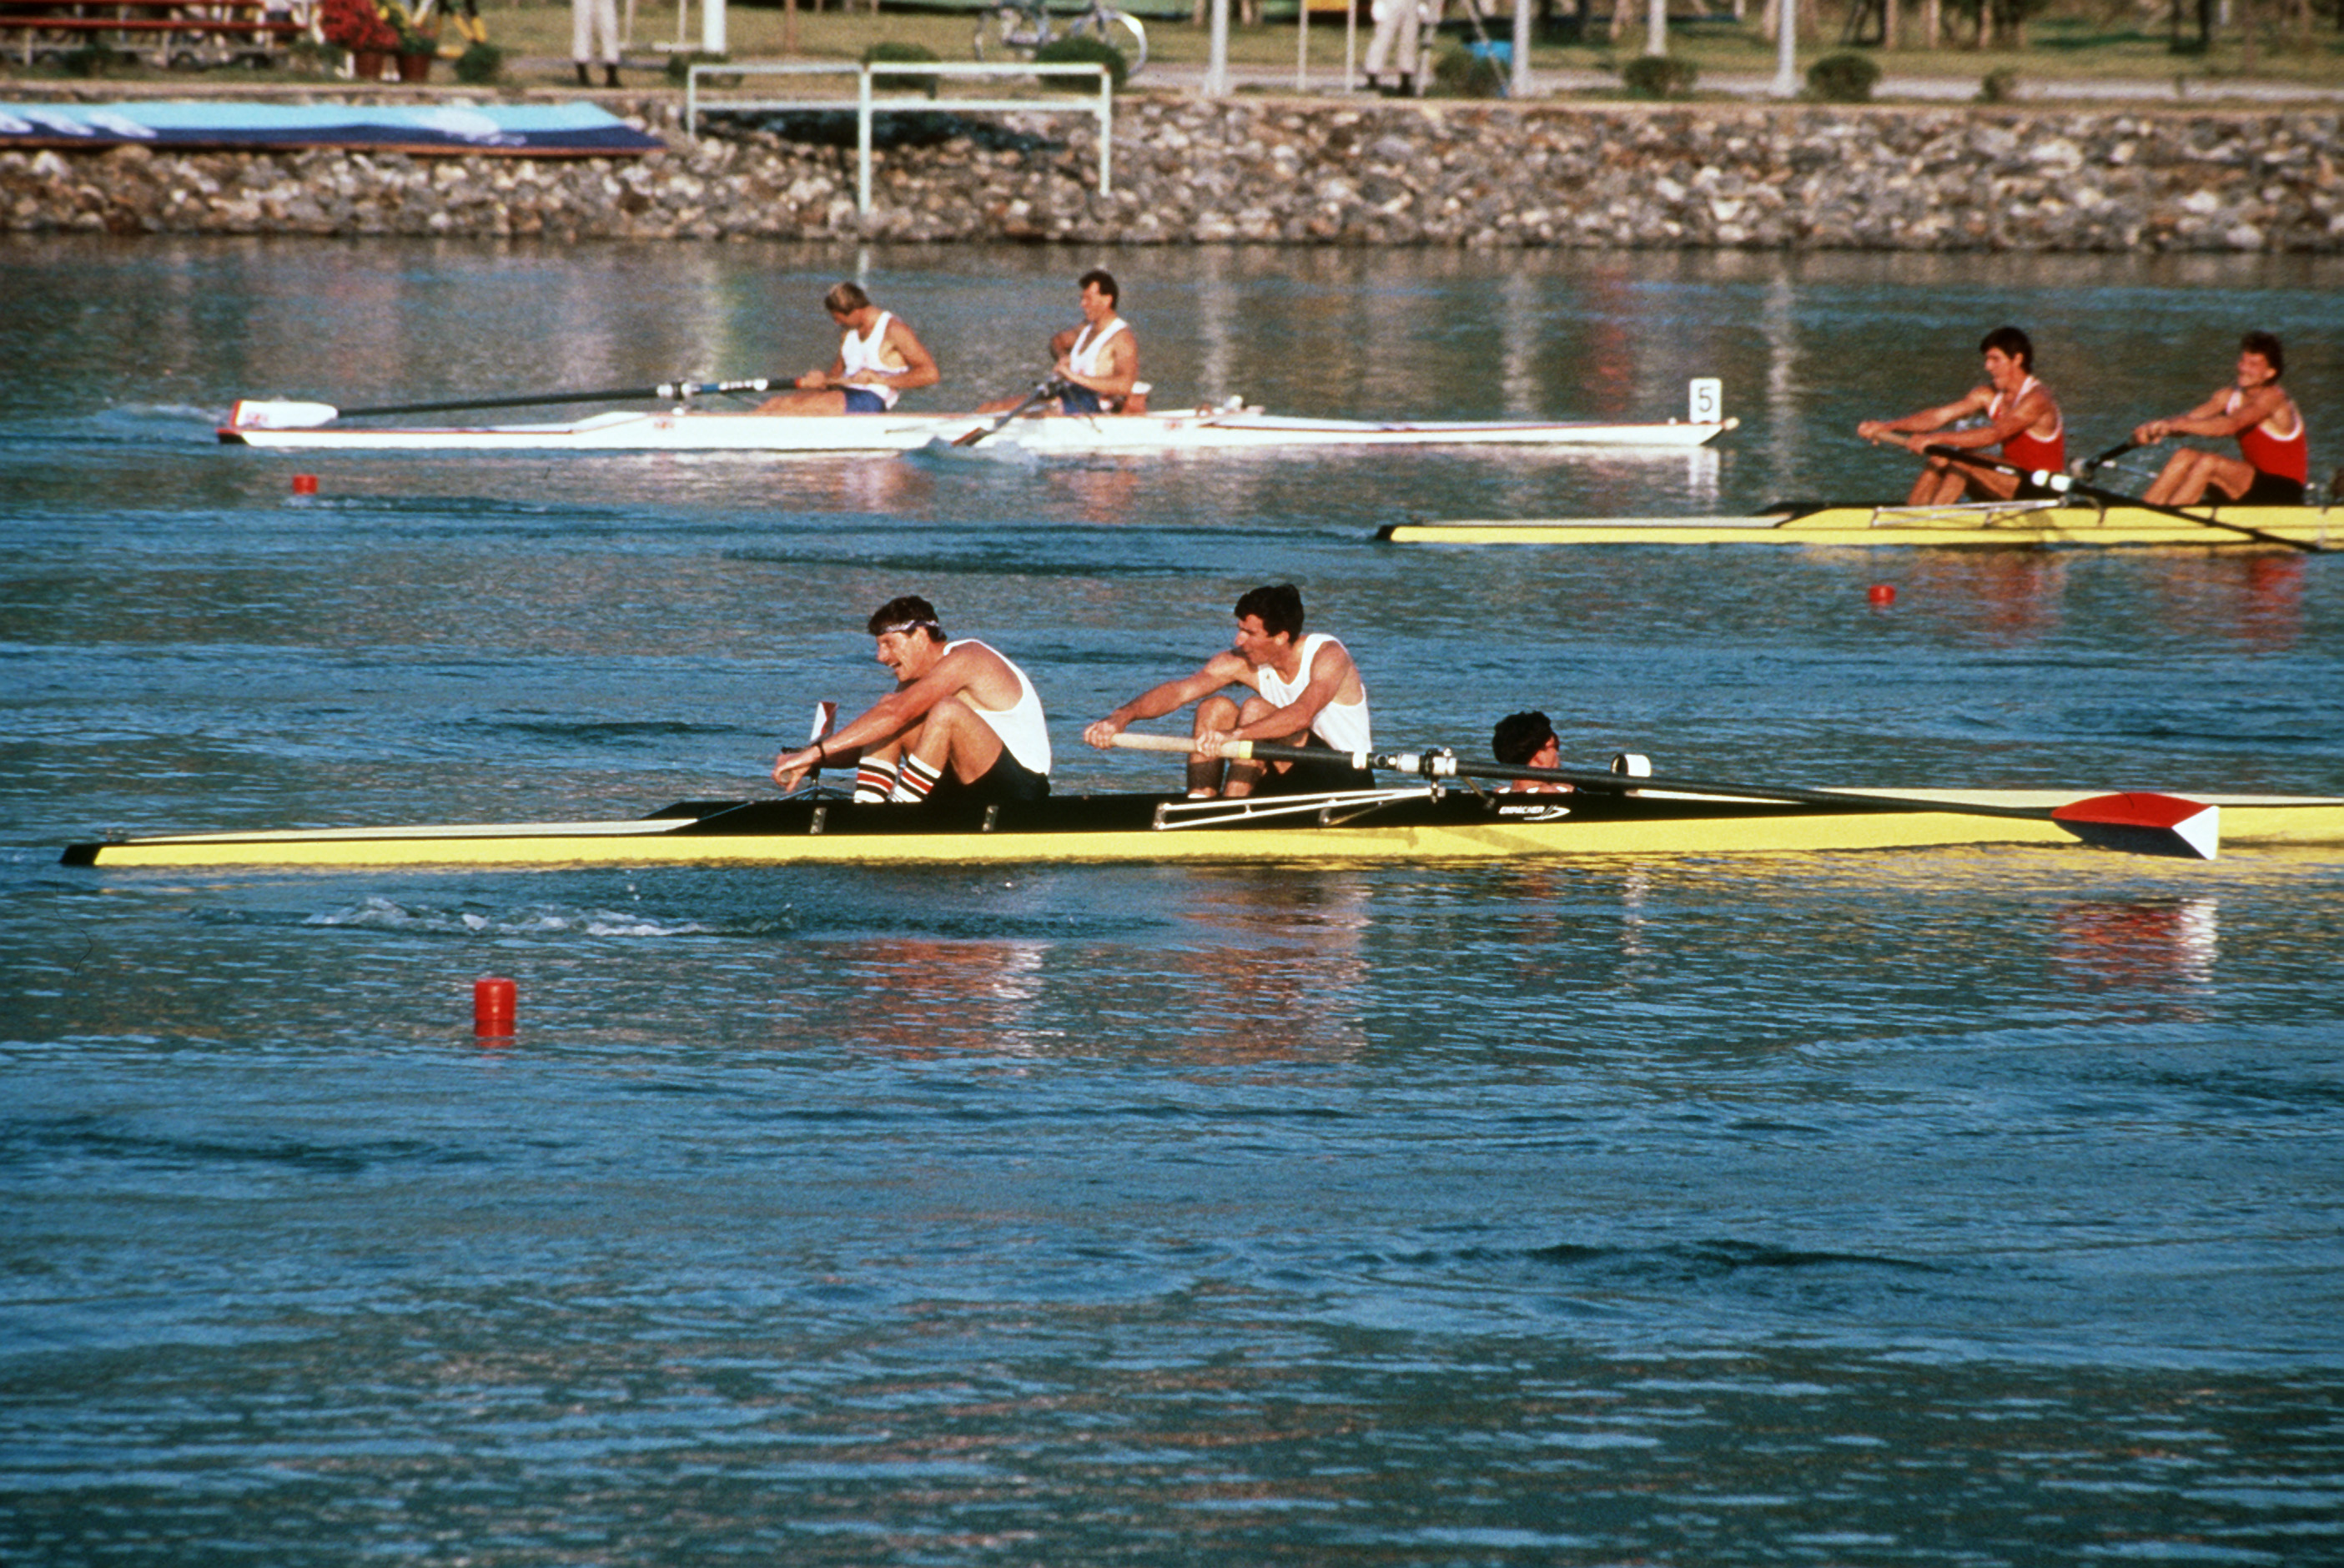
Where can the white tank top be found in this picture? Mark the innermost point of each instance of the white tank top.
(1342, 725)
(1083, 358)
(1023, 733)
(863, 354)
(2058, 425)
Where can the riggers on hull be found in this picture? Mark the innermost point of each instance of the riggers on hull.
(1967, 525)
(1410, 824)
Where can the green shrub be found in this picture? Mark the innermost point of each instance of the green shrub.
(481, 64)
(1843, 78)
(1998, 86)
(1658, 77)
(679, 67)
(1459, 73)
(893, 51)
(1082, 50)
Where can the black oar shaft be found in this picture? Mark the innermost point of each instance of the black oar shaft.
(1440, 765)
(2064, 485)
(601, 395)
(1048, 389)
(1445, 764)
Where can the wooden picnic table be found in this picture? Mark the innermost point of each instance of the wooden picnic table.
(174, 32)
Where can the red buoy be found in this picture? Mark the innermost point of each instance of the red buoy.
(305, 484)
(493, 996)
(1882, 594)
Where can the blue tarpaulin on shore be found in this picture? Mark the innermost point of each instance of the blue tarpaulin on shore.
(524, 130)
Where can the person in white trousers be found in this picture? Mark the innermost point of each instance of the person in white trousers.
(588, 17)
(1395, 43)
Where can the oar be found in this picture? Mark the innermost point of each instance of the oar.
(2109, 456)
(2064, 485)
(1049, 388)
(825, 719)
(2144, 823)
(289, 414)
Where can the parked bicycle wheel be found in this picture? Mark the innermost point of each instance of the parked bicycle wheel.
(1121, 30)
(1010, 33)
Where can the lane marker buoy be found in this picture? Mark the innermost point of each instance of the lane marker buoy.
(493, 997)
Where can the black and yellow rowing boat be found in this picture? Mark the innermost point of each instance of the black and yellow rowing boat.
(1443, 818)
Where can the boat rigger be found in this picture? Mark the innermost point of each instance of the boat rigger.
(2022, 525)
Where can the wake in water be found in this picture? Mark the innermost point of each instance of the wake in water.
(377, 913)
(1000, 452)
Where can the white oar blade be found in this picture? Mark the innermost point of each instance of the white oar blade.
(280, 414)
(2146, 824)
(825, 718)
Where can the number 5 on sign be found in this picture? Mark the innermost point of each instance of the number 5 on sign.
(1707, 396)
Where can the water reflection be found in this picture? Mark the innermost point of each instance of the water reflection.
(2147, 948)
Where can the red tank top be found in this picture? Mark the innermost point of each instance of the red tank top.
(2027, 450)
(2282, 456)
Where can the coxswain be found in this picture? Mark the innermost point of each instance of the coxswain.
(2020, 417)
(2274, 463)
(1528, 740)
(1304, 692)
(879, 359)
(963, 725)
(1095, 366)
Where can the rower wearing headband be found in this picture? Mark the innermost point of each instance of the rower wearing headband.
(879, 359)
(2020, 416)
(1306, 692)
(963, 725)
(2274, 461)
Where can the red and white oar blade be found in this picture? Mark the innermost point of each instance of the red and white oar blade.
(825, 719)
(2145, 824)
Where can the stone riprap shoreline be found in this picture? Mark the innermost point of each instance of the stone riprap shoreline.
(1186, 171)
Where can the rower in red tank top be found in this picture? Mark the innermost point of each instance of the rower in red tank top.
(2274, 464)
(2020, 416)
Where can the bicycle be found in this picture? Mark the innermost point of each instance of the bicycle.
(1018, 28)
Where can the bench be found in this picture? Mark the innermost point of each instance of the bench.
(219, 33)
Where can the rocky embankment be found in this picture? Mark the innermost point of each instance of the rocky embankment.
(1754, 177)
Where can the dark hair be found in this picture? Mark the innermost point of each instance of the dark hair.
(2266, 345)
(1105, 281)
(1519, 737)
(1279, 606)
(2012, 342)
(844, 299)
(910, 613)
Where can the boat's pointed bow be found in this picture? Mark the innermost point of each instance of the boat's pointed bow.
(2146, 824)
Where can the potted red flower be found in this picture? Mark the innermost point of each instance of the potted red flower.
(356, 25)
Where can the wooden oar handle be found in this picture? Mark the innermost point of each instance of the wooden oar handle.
(1237, 751)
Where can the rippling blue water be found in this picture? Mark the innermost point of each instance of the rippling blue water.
(1957, 1208)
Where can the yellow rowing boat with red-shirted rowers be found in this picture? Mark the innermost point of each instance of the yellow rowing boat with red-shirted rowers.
(2023, 524)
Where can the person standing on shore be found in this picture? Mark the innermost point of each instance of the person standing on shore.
(588, 18)
(879, 359)
(2273, 467)
(2020, 415)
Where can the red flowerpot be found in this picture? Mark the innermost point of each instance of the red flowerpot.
(415, 67)
(366, 64)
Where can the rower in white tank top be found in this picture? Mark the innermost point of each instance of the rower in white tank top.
(1342, 725)
(867, 353)
(1025, 733)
